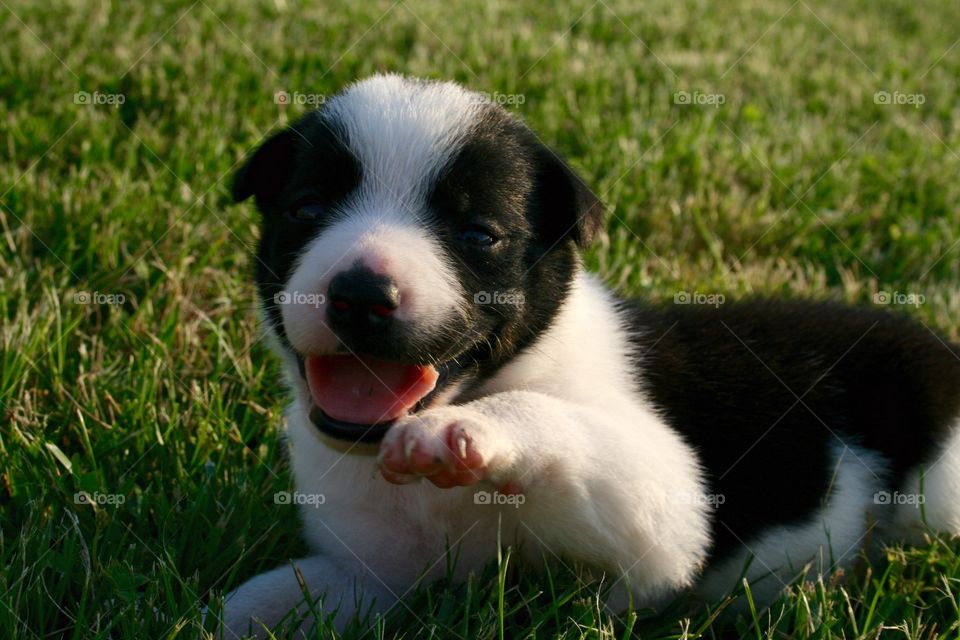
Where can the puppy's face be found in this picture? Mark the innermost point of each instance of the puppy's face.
(413, 238)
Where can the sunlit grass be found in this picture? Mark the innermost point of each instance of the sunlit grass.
(130, 358)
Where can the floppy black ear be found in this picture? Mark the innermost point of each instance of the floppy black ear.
(267, 170)
(570, 208)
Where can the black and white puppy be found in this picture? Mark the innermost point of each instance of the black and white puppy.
(419, 274)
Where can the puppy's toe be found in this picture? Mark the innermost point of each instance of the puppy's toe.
(439, 447)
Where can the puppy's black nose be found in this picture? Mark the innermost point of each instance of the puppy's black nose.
(360, 299)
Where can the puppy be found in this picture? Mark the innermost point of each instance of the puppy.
(457, 376)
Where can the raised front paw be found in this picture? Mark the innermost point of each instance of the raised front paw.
(448, 446)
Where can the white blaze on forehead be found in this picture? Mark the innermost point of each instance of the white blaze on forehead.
(403, 132)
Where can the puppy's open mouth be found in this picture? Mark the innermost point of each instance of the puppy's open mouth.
(357, 398)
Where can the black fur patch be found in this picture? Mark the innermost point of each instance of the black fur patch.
(308, 162)
(505, 179)
(729, 379)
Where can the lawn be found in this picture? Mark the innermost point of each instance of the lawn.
(792, 149)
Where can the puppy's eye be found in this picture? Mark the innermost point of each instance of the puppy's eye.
(477, 236)
(309, 212)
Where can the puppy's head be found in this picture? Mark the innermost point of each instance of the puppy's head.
(414, 237)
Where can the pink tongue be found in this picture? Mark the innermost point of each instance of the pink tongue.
(367, 390)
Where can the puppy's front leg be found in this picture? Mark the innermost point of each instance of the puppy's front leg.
(613, 486)
(263, 601)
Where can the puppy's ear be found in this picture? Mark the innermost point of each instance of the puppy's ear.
(570, 208)
(267, 170)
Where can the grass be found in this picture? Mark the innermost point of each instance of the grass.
(131, 368)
